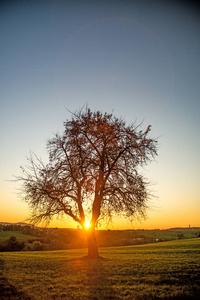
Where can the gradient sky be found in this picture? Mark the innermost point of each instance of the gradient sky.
(139, 59)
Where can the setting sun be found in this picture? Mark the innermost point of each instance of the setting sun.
(87, 224)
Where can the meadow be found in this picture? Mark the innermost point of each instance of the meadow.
(20, 236)
(166, 270)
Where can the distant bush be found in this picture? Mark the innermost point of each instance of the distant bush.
(180, 235)
(34, 240)
(27, 247)
(11, 244)
(36, 246)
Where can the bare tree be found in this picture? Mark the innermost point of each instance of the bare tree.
(92, 171)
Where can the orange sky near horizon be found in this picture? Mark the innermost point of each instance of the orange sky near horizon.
(162, 217)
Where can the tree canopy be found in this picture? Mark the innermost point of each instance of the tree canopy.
(92, 170)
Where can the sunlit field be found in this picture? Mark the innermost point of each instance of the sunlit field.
(167, 270)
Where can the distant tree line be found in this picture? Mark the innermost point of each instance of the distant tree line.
(30, 230)
(61, 238)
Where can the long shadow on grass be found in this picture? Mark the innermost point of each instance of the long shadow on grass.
(95, 283)
(100, 286)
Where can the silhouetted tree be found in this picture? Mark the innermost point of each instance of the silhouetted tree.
(92, 171)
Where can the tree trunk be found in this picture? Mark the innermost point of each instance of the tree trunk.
(92, 244)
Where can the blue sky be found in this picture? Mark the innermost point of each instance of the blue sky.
(139, 59)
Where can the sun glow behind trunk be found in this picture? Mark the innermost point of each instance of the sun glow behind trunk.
(87, 224)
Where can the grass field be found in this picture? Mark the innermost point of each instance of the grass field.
(4, 235)
(167, 270)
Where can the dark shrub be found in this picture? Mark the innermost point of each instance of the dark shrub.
(11, 244)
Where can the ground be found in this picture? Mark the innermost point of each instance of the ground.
(167, 270)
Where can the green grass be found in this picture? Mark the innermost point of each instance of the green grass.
(167, 270)
(135, 237)
(4, 235)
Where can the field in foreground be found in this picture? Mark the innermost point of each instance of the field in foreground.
(167, 270)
